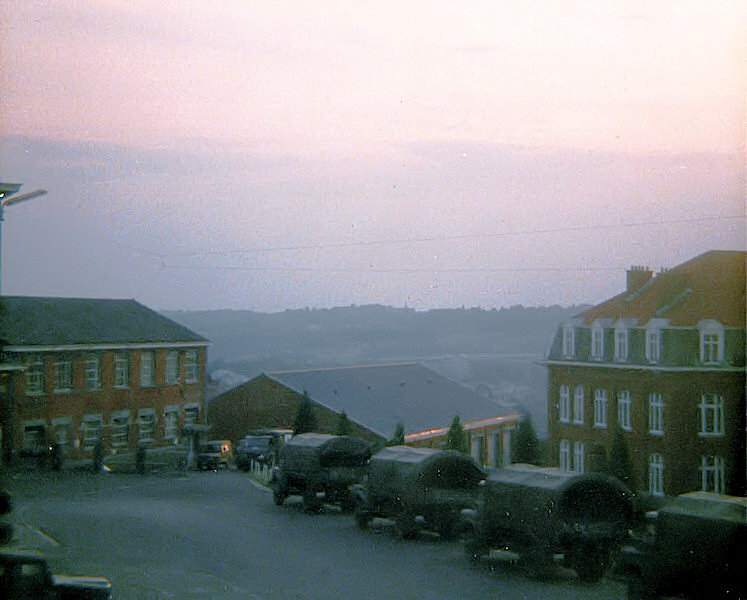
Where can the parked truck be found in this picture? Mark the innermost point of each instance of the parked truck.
(693, 547)
(320, 468)
(25, 574)
(420, 488)
(540, 514)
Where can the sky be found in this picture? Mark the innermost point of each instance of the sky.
(269, 155)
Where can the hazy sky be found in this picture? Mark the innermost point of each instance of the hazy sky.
(271, 155)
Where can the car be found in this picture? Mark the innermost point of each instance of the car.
(255, 448)
(320, 468)
(26, 574)
(419, 488)
(540, 513)
(692, 547)
(214, 454)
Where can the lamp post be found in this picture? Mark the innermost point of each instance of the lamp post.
(8, 197)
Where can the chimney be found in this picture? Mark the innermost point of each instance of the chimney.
(637, 277)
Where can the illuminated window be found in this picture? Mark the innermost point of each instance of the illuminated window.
(600, 408)
(623, 410)
(565, 404)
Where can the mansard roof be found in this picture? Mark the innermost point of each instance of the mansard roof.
(27, 321)
(709, 286)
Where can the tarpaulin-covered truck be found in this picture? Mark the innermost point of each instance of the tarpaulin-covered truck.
(539, 513)
(694, 548)
(320, 468)
(418, 488)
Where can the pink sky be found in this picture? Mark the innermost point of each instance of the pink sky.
(187, 141)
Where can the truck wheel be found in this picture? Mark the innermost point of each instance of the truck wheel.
(407, 528)
(590, 562)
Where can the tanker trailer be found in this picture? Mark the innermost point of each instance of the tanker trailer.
(540, 513)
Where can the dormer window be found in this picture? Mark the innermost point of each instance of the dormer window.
(711, 342)
(621, 343)
(653, 345)
(569, 341)
(597, 342)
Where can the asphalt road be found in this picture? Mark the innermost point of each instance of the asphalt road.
(218, 535)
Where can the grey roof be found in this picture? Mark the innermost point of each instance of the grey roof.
(381, 396)
(43, 321)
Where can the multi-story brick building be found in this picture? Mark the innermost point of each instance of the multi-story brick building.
(110, 370)
(665, 362)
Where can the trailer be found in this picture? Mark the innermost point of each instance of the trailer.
(420, 488)
(541, 513)
(320, 468)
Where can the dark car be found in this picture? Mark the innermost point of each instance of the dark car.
(693, 548)
(320, 468)
(539, 513)
(214, 454)
(25, 574)
(255, 448)
(420, 488)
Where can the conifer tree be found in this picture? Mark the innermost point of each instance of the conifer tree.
(456, 438)
(398, 439)
(344, 425)
(305, 418)
(525, 447)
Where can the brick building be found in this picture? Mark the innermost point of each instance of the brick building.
(376, 399)
(665, 362)
(78, 370)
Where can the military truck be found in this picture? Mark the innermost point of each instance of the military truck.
(540, 514)
(320, 468)
(420, 488)
(25, 574)
(693, 548)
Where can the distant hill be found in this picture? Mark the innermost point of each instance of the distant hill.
(494, 352)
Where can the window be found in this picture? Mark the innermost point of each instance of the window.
(623, 411)
(63, 375)
(656, 475)
(653, 345)
(92, 370)
(711, 415)
(146, 419)
(147, 369)
(191, 413)
(92, 427)
(35, 376)
(569, 341)
(172, 368)
(711, 342)
(600, 408)
(597, 342)
(190, 366)
(621, 343)
(34, 436)
(565, 455)
(578, 457)
(564, 407)
(120, 429)
(171, 423)
(578, 406)
(655, 414)
(62, 429)
(121, 371)
(712, 474)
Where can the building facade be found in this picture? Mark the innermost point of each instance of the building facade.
(96, 370)
(665, 363)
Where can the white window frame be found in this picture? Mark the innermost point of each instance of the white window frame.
(600, 408)
(63, 375)
(38, 440)
(171, 375)
(62, 430)
(147, 368)
(564, 404)
(578, 405)
(655, 414)
(624, 405)
(191, 413)
(121, 370)
(569, 341)
(171, 422)
(579, 453)
(711, 342)
(35, 376)
(656, 474)
(597, 342)
(621, 343)
(712, 474)
(120, 426)
(191, 366)
(147, 422)
(92, 427)
(711, 415)
(564, 452)
(92, 372)
(653, 345)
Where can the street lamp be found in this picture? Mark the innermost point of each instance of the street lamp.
(8, 197)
